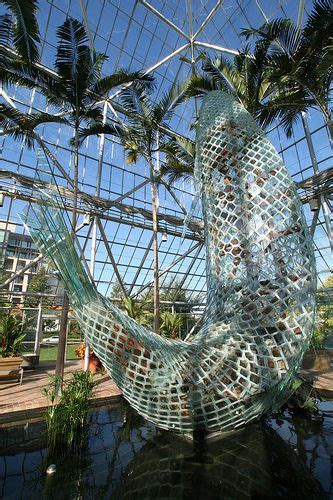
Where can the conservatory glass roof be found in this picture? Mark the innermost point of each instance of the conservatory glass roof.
(166, 38)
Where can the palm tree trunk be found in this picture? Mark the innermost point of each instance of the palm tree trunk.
(76, 177)
(61, 353)
(155, 248)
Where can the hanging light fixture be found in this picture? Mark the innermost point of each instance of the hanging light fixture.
(164, 235)
(314, 204)
(86, 219)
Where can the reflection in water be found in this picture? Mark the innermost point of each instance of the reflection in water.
(125, 457)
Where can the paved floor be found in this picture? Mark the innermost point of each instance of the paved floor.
(19, 401)
(323, 376)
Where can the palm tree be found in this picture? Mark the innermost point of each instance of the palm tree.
(245, 76)
(288, 72)
(171, 324)
(299, 64)
(77, 88)
(138, 310)
(142, 137)
(178, 162)
(75, 91)
(20, 27)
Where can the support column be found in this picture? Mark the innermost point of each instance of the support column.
(39, 328)
(95, 222)
(324, 204)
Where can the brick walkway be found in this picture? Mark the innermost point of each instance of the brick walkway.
(27, 400)
(322, 370)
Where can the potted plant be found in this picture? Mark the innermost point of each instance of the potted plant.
(12, 336)
(94, 362)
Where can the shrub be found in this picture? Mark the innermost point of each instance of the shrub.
(67, 416)
(12, 335)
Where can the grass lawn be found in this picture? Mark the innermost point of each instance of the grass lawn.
(49, 353)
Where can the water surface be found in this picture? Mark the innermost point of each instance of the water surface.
(283, 456)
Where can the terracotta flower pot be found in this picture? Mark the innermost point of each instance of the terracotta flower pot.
(94, 364)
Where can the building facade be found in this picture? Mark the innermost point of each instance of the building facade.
(17, 250)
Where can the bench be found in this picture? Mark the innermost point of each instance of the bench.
(11, 368)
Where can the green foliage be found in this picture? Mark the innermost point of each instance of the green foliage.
(174, 292)
(287, 72)
(76, 91)
(318, 338)
(142, 135)
(24, 32)
(12, 335)
(299, 64)
(304, 397)
(4, 299)
(67, 416)
(139, 311)
(171, 323)
(324, 324)
(39, 283)
(75, 329)
(50, 325)
(179, 159)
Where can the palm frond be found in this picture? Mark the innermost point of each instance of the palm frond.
(180, 147)
(319, 23)
(92, 67)
(285, 107)
(220, 72)
(30, 76)
(136, 99)
(199, 86)
(88, 114)
(179, 159)
(5, 29)
(176, 171)
(121, 77)
(35, 119)
(100, 128)
(171, 99)
(22, 126)
(73, 53)
(25, 29)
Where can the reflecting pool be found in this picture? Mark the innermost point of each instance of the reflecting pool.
(283, 456)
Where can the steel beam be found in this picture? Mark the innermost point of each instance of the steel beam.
(164, 19)
(313, 157)
(151, 69)
(167, 269)
(208, 19)
(113, 262)
(140, 265)
(216, 47)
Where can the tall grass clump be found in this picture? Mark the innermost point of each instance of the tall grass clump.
(66, 415)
